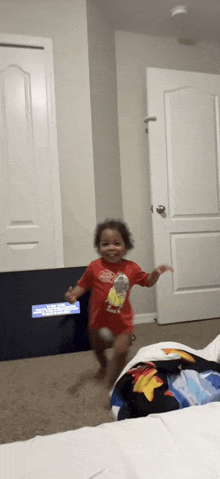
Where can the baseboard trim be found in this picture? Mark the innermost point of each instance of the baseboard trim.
(145, 318)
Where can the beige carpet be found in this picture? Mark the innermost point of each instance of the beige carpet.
(46, 395)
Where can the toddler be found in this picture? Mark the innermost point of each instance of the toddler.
(110, 279)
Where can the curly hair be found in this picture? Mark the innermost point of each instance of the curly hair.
(113, 225)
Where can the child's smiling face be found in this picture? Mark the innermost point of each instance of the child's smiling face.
(112, 247)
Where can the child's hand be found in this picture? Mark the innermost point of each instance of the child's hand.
(163, 268)
(70, 296)
(154, 276)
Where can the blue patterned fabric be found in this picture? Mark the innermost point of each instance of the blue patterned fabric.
(161, 386)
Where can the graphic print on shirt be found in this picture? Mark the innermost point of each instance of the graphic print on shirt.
(117, 294)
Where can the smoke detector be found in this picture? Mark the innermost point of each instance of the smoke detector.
(181, 9)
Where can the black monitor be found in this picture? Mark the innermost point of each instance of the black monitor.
(35, 320)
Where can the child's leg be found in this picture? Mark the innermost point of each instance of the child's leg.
(98, 345)
(118, 361)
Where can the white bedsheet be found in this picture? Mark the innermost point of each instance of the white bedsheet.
(182, 444)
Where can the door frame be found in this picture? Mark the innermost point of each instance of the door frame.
(47, 45)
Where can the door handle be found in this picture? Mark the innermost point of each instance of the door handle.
(160, 209)
(150, 118)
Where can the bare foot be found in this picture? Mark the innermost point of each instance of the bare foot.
(100, 373)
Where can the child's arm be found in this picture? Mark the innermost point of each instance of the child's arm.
(74, 293)
(154, 276)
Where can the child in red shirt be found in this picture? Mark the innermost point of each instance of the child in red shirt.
(110, 279)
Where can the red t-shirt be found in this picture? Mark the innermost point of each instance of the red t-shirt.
(108, 307)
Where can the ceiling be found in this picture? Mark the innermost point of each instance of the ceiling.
(153, 17)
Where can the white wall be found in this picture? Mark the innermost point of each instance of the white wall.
(75, 135)
(134, 53)
(103, 94)
(66, 24)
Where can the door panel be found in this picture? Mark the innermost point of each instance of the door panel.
(184, 166)
(202, 267)
(191, 132)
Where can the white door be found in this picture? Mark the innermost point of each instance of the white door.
(185, 164)
(30, 206)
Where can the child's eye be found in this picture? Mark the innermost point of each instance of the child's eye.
(106, 244)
